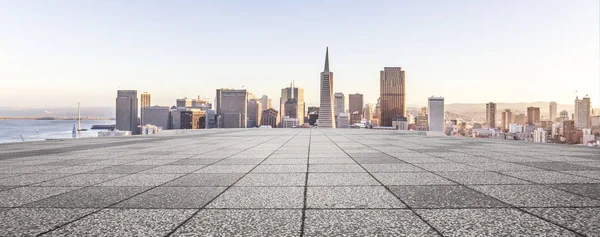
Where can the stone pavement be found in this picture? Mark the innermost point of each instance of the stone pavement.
(298, 182)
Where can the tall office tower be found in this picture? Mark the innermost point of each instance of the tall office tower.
(144, 102)
(553, 110)
(232, 108)
(193, 118)
(436, 114)
(392, 89)
(533, 115)
(184, 103)
(157, 115)
(507, 119)
(293, 96)
(368, 112)
(583, 109)
(339, 103)
(519, 119)
(355, 104)
(265, 101)
(127, 111)
(490, 114)
(564, 115)
(326, 116)
(254, 113)
(270, 118)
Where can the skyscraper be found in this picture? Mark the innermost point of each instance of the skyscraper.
(326, 116)
(368, 112)
(339, 103)
(157, 115)
(292, 97)
(583, 110)
(355, 104)
(533, 115)
(232, 107)
(392, 89)
(436, 114)
(127, 111)
(564, 115)
(490, 114)
(553, 110)
(265, 101)
(254, 112)
(184, 103)
(507, 119)
(270, 117)
(144, 102)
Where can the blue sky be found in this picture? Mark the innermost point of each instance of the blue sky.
(55, 53)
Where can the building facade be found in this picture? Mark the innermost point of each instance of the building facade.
(184, 103)
(265, 101)
(339, 102)
(270, 117)
(254, 113)
(368, 112)
(158, 116)
(436, 114)
(507, 119)
(127, 111)
(355, 106)
(583, 111)
(343, 120)
(326, 112)
(292, 97)
(553, 110)
(392, 89)
(533, 115)
(144, 102)
(490, 114)
(232, 107)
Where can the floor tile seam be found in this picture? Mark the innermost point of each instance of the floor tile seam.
(304, 201)
(171, 232)
(516, 207)
(533, 182)
(388, 189)
(100, 209)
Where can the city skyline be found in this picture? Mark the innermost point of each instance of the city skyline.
(87, 60)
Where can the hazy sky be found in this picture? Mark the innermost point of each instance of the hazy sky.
(55, 53)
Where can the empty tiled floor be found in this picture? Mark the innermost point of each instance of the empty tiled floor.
(298, 182)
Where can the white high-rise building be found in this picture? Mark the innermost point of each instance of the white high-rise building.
(343, 120)
(339, 103)
(553, 110)
(583, 109)
(436, 114)
(539, 135)
(326, 116)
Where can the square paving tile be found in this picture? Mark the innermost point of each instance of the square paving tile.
(413, 178)
(588, 190)
(323, 161)
(272, 161)
(205, 180)
(259, 179)
(173, 169)
(442, 196)
(341, 179)
(489, 222)
(502, 166)
(365, 223)
(335, 168)
(550, 177)
(226, 169)
(389, 160)
(126, 222)
(534, 196)
(280, 169)
(560, 166)
(27, 179)
(23, 195)
(34, 221)
(391, 168)
(142, 180)
(80, 180)
(448, 167)
(122, 169)
(351, 197)
(260, 197)
(90, 197)
(173, 197)
(259, 222)
(481, 178)
(195, 162)
(583, 220)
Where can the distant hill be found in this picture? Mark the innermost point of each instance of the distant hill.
(58, 112)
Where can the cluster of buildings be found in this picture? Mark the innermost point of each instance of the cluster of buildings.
(238, 108)
(580, 127)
